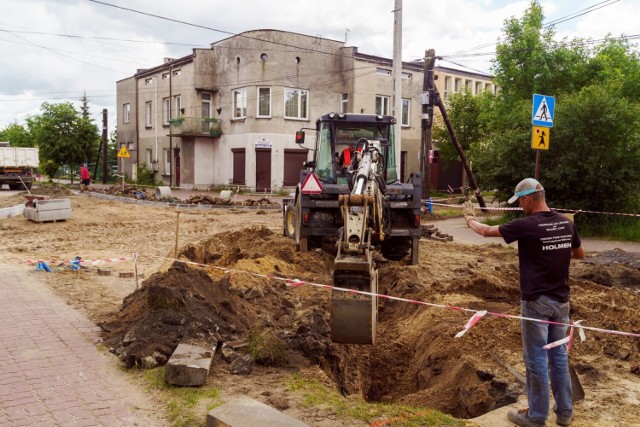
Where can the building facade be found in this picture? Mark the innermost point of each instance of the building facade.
(228, 115)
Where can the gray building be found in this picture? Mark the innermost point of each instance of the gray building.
(227, 115)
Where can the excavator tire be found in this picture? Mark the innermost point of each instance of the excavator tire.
(396, 248)
(302, 243)
(290, 220)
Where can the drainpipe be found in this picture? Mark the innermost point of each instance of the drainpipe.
(155, 101)
(137, 132)
(170, 130)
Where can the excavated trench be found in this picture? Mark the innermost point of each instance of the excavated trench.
(243, 280)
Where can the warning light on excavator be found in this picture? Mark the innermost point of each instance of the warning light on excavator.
(299, 137)
(416, 220)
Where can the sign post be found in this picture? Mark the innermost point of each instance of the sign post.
(542, 114)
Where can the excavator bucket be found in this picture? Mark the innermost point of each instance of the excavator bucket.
(354, 316)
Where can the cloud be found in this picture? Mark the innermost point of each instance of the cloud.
(111, 43)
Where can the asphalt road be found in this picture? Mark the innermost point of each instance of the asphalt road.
(457, 228)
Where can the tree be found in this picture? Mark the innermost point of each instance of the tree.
(464, 110)
(17, 136)
(594, 157)
(529, 61)
(63, 135)
(598, 145)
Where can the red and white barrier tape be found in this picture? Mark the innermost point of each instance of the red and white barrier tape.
(478, 314)
(81, 261)
(573, 211)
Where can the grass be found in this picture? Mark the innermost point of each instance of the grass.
(185, 406)
(316, 395)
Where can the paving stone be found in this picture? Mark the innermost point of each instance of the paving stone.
(189, 365)
(247, 412)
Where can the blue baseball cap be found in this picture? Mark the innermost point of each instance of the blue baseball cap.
(525, 187)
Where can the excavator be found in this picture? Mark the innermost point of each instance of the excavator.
(363, 207)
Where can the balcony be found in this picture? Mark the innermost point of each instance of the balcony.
(195, 126)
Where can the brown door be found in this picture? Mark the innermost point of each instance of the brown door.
(293, 164)
(238, 166)
(263, 169)
(176, 156)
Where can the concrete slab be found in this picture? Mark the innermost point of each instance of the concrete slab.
(49, 210)
(189, 365)
(247, 412)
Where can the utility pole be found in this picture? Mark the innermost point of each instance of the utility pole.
(427, 99)
(105, 145)
(397, 82)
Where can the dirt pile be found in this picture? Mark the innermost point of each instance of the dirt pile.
(417, 359)
(144, 193)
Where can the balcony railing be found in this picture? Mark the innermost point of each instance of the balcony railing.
(195, 126)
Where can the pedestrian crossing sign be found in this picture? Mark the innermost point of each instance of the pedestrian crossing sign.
(543, 110)
(540, 138)
(123, 152)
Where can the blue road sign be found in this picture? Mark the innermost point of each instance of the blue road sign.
(543, 109)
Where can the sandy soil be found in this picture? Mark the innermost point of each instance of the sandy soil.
(417, 359)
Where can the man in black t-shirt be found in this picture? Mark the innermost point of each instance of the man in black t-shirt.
(547, 241)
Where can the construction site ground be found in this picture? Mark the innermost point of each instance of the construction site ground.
(237, 272)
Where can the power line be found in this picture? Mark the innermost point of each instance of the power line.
(215, 29)
(75, 36)
(581, 12)
(549, 24)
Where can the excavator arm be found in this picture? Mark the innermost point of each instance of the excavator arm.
(354, 314)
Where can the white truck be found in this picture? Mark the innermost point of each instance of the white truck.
(17, 165)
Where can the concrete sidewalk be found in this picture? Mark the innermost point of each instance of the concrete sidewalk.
(51, 372)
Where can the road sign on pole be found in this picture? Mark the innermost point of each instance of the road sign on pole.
(543, 110)
(540, 138)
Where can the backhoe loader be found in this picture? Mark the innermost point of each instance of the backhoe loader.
(363, 207)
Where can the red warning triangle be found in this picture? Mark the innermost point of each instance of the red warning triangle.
(311, 185)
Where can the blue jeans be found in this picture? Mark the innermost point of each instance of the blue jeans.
(534, 336)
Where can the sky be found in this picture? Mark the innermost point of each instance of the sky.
(58, 50)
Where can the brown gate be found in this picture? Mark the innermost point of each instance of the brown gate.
(293, 164)
(263, 169)
(238, 166)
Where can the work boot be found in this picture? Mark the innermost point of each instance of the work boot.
(521, 418)
(564, 421)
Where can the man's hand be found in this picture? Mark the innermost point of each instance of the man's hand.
(468, 212)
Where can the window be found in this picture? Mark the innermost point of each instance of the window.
(383, 72)
(177, 101)
(458, 85)
(406, 111)
(165, 76)
(148, 81)
(166, 110)
(344, 103)
(206, 112)
(148, 108)
(296, 103)
(126, 113)
(240, 103)
(167, 161)
(467, 85)
(406, 75)
(177, 72)
(264, 102)
(478, 88)
(487, 86)
(382, 105)
(447, 86)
